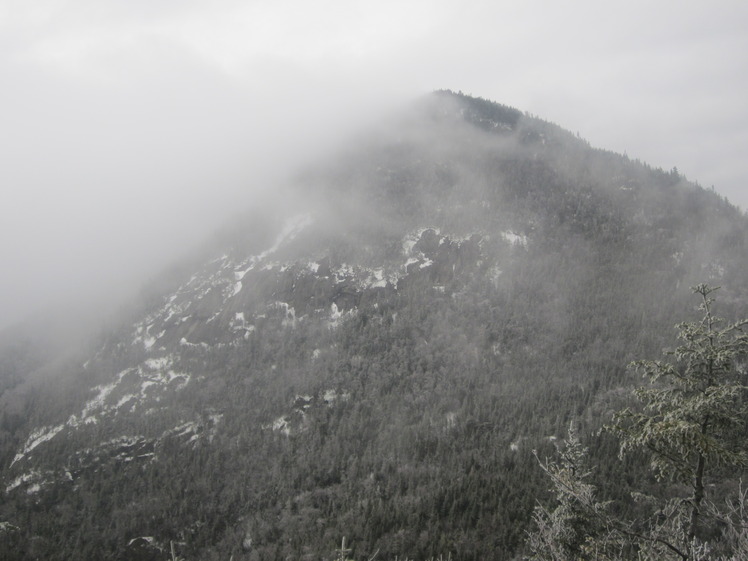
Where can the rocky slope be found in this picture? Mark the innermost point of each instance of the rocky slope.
(375, 356)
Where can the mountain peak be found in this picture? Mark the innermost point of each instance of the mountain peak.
(481, 112)
(375, 356)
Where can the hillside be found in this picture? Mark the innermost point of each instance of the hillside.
(375, 356)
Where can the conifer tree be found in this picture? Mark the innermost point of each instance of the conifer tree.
(693, 419)
(695, 410)
(579, 527)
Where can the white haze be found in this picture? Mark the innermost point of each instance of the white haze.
(130, 130)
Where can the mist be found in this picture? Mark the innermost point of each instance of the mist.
(130, 132)
(111, 182)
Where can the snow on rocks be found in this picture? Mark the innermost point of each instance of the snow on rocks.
(343, 273)
(281, 425)
(337, 315)
(331, 396)
(287, 313)
(363, 278)
(183, 342)
(139, 386)
(131, 388)
(237, 288)
(36, 438)
(98, 402)
(514, 239)
(301, 406)
(159, 363)
(147, 539)
(125, 448)
(33, 475)
(158, 374)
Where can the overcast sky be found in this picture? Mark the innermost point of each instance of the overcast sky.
(129, 129)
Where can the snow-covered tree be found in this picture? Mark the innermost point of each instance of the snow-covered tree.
(691, 422)
(695, 409)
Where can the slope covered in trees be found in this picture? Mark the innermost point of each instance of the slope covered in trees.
(691, 426)
(377, 357)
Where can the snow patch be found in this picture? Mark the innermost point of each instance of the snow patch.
(379, 280)
(514, 239)
(185, 343)
(237, 288)
(289, 313)
(36, 438)
(281, 425)
(343, 273)
(213, 317)
(330, 396)
(148, 539)
(104, 391)
(124, 399)
(159, 363)
(335, 315)
(183, 429)
(21, 479)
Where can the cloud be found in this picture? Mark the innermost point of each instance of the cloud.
(132, 128)
(123, 148)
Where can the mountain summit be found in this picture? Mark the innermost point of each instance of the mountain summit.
(375, 355)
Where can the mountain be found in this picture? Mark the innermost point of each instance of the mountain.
(374, 356)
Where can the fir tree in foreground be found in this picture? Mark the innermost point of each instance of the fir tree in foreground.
(691, 425)
(580, 527)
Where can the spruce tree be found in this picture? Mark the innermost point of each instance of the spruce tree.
(695, 409)
(691, 422)
(579, 527)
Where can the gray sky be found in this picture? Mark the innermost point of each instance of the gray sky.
(130, 129)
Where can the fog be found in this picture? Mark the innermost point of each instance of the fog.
(132, 130)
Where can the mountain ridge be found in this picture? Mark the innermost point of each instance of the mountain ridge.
(372, 363)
